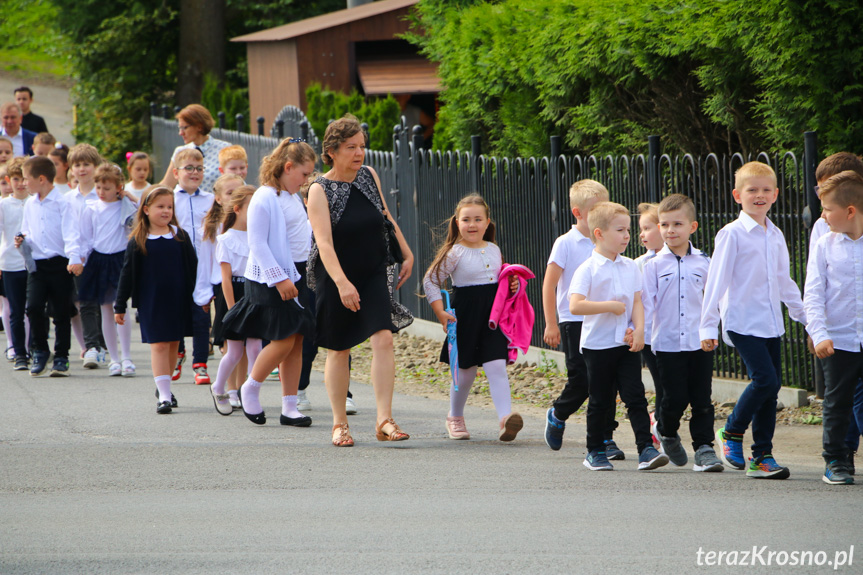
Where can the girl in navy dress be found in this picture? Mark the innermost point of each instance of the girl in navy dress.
(275, 305)
(232, 254)
(159, 275)
(105, 226)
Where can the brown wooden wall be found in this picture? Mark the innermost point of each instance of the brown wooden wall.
(279, 72)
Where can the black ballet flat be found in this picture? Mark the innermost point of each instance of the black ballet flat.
(173, 399)
(257, 418)
(303, 421)
(163, 407)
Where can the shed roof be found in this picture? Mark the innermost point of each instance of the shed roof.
(401, 76)
(325, 21)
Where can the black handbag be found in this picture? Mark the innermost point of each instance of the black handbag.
(394, 249)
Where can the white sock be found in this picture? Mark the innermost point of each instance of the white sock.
(125, 333)
(7, 320)
(251, 390)
(227, 364)
(498, 386)
(109, 331)
(234, 394)
(458, 399)
(253, 348)
(78, 330)
(163, 384)
(289, 406)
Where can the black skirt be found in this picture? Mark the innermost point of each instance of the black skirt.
(477, 343)
(262, 313)
(100, 278)
(220, 334)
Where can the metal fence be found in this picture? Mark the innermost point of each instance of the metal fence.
(529, 201)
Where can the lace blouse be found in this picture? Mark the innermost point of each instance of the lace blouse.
(467, 267)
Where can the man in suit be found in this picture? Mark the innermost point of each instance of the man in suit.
(22, 140)
(29, 120)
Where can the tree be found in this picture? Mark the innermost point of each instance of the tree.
(202, 47)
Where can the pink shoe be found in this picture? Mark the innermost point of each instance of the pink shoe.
(510, 426)
(456, 428)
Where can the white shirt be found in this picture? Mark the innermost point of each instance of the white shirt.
(47, 225)
(568, 252)
(103, 229)
(600, 279)
(63, 188)
(77, 202)
(833, 297)
(467, 267)
(270, 258)
(749, 276)
(17, 141)
(11, 214)
(672, 293)
(299, 228)
(640, 261)
(190, 210)
(232, 247)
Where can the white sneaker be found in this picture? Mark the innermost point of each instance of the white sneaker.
(128, 369)
(115, 369)
(350, 406)
(303, 403)
(10, 353)
(91, 358)
(102, 356)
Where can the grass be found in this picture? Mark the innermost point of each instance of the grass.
(33, 46)
(20, 61)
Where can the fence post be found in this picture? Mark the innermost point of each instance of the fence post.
(241, 125)
(260, 125)
(554, 181)
(418, 139)
(653, 153)
(304, 130)
(222, 122)
(810, 160)
(177, 110)
(166, 112)
(475, 153)
(154, 109)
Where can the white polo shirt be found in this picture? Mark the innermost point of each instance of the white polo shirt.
(833, 297)
(673, 289)
(601, 279)
(568, 252)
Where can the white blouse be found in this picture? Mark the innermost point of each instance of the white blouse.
(270, 257)
(467, 267)
(232, 247)
(11, 214)
(103, 229)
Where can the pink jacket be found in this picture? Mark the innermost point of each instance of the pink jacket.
(512, 312)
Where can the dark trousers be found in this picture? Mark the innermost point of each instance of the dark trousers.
(757, 403)
(610, 371)
(91, 320)
(200, 336)
(842, 371)
(15, 285)
(687, 379)
(855, 423)
(649, 359)
(51, 282)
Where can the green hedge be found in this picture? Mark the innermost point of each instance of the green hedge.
(381, 114)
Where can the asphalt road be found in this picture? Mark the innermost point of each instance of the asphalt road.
(50, 102)
(92, 480)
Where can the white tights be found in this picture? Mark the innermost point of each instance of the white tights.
(498, 386)
(110, 331)
(233, 354)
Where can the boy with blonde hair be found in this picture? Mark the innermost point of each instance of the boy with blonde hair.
(835, 311)
(569, 251)
(606, 290)
(43, 143)
(233, 160)
(748, 280)
(673, 288)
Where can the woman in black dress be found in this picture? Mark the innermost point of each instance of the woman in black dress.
(349, 267)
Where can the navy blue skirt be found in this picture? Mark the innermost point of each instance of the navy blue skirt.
(477, 343)
(101, 275)
(220, 333)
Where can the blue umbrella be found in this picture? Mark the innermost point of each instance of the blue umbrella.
(451, 345)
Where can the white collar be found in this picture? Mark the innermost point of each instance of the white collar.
(749, 224)
(579, 236)
(693, 251)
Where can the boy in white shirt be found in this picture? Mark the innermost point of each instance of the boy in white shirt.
(672, 293)
(834, 306)
(606, 290)
(191, 204)
(569, 251)
(43, 224)
(748, 280)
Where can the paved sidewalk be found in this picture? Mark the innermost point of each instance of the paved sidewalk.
(92, 480)
(50, 102)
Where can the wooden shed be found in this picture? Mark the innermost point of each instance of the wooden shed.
(352, 48)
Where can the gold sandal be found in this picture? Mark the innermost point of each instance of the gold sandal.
(396, 435)
(343, 439)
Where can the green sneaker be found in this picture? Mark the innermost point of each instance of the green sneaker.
(765, 467)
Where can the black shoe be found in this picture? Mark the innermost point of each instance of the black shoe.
(257, 418)
(60, 368)
(163, 407)
(40, 363)
(173, 399)
(303, 421)
(850, 464)
(21, 363)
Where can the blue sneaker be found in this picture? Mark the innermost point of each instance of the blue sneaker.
(613, 452)
(765, 467)
(650, 458)
(837, 474)
(730, 449)
(553, 430)
(597, 461)
(40, 363)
